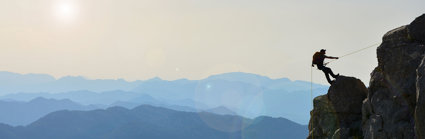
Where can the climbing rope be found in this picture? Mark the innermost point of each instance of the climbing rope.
(370, 46)
(312, 103)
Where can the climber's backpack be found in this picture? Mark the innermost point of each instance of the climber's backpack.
(316, 58)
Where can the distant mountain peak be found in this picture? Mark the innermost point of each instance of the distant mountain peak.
(42, 99)
(73, 78)
(222, 110)
(237, 74)
(116, 108)
(155, 79)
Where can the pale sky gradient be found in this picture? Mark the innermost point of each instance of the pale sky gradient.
(172, 39)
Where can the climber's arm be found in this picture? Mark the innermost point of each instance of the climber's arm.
(331, 57)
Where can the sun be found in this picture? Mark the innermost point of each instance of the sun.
(65, 11)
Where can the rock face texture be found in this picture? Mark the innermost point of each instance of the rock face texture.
(388, 111)
(395, 104)
(338, 113)
(417, 28)
(420, 102)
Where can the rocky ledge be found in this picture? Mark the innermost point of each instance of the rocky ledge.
(338, 113)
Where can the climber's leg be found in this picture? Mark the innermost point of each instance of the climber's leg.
(332, 74)
(326, 71)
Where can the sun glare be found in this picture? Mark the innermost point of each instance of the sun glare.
(65, 11)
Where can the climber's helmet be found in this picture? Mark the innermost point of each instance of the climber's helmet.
(323, 51)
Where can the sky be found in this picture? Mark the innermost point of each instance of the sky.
(193, 39)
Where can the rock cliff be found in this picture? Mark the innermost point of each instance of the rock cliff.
(338, 113)
(388, 111)
(394, 106)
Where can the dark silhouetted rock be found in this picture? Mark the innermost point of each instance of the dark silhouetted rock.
(338, 113)
(347, 94)
(416, 29)
(388, 111)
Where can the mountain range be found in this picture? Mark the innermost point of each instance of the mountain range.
(152, 122)
(21, 113)
(33, 83)
(246, 94)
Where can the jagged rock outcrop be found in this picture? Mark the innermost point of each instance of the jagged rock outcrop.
(338, 113)
(388, 111)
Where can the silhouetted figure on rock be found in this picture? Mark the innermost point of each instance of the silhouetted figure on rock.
(318, 59)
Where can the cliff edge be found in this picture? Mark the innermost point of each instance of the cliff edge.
(338, 113)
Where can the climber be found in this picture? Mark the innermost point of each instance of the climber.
(318, 59)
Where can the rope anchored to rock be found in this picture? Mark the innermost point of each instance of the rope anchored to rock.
(370, 46)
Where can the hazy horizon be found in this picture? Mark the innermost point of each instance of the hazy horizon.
(155, 77)
(139, 40)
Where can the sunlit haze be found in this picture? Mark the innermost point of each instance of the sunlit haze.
(172, 39)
